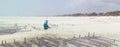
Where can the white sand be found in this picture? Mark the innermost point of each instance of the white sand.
(65, 26)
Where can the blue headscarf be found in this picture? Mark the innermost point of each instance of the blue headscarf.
(46, 24)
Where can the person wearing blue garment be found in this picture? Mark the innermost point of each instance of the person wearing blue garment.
(46, 25)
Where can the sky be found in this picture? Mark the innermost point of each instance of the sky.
(55, 7)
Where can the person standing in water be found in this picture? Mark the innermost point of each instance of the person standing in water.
(46, 25)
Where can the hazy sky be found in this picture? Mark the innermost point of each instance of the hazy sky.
(54, 7)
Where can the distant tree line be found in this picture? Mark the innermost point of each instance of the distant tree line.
(113, 13)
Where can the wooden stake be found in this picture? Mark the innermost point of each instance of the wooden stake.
(79, 36)
(5, 42)
(89, 34)
(24, 40)
(14, 40)
(114, 40)
(39, 42)
(36, 38)
(93, 34)
(74, 36)
(2, 42)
